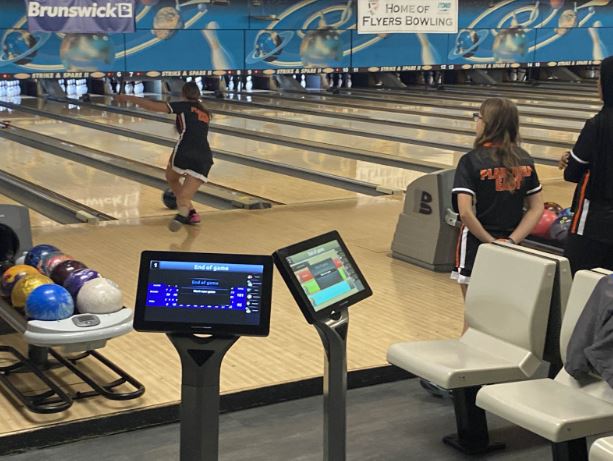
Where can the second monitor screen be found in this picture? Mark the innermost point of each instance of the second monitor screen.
(325, 274)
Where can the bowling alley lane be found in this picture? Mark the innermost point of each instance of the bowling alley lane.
(479, 93)
(115, 196)
(36, 219)
(371, 130)
(546, 117)
(382, 175)
(548, 91)
(273, 186)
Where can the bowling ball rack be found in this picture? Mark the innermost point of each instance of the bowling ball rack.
(79, 336)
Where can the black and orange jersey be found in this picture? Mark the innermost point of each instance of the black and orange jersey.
(593, 219)
(499, 206)
(193, 126)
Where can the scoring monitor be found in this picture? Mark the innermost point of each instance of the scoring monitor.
(322, 275)
(220, 294)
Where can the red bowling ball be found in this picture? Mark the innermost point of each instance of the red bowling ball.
(542, 228)
(64, 269)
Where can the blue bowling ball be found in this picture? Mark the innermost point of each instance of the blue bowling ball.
(49, 302)
(36, 254)
(568, 212)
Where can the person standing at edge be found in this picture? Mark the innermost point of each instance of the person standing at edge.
(590, 165)
(191, 159)
(492, 184)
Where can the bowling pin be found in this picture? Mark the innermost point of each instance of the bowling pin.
(129, 88)
(231, 84)
(348, 82)
(221, 59)
(249, 85)
(199, 83)
(340, 81)
(71, 87)
(599, 51)
(303, 81)
(139, 88)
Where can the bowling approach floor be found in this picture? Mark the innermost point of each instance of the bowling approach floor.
(292, 352)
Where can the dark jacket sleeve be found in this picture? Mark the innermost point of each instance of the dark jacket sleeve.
(581, 154)
(600, 353)
(591, 344)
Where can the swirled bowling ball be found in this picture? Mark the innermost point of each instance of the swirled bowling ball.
(17, 46)
(52, 261)
(86, 52)
(12, 275)
(77, 279)
(43, 261)
(559, 229)
(64, 269)
(568, 212)
(321, 47)
(9, 243)
(553, 206)
(99, 296)
(166, 22)
(49, 302)
(25, 286)
(36, 254)
(510, 45)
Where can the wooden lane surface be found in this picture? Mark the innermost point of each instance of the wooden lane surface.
(383, 175)
(409, 302)
(553, 132)
(274, 186)
(113, 195)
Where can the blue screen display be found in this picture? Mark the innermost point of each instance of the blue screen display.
(204, 292)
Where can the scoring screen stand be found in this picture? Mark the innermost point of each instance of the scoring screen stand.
(201, 359)
(333, 334)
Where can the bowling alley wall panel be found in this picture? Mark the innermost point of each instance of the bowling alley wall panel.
(200, 37)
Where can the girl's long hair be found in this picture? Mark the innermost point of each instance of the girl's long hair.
(191, 92)
(501, 132)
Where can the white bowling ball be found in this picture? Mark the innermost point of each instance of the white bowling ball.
(99, 296)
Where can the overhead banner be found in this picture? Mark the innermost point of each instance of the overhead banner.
(80, 16)
(407, 16)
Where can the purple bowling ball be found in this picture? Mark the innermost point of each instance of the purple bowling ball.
(76, 279)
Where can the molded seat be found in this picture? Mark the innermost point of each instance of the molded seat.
(563, 410)
(548, 408)
(602, 450)
(472, 360)
(507, 310)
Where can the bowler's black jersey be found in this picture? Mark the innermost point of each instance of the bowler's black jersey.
(499, 207)
(193, 126)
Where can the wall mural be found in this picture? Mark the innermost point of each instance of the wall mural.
(205, 37)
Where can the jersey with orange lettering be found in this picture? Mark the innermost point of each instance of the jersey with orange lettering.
(499, 206)
(192, 153)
